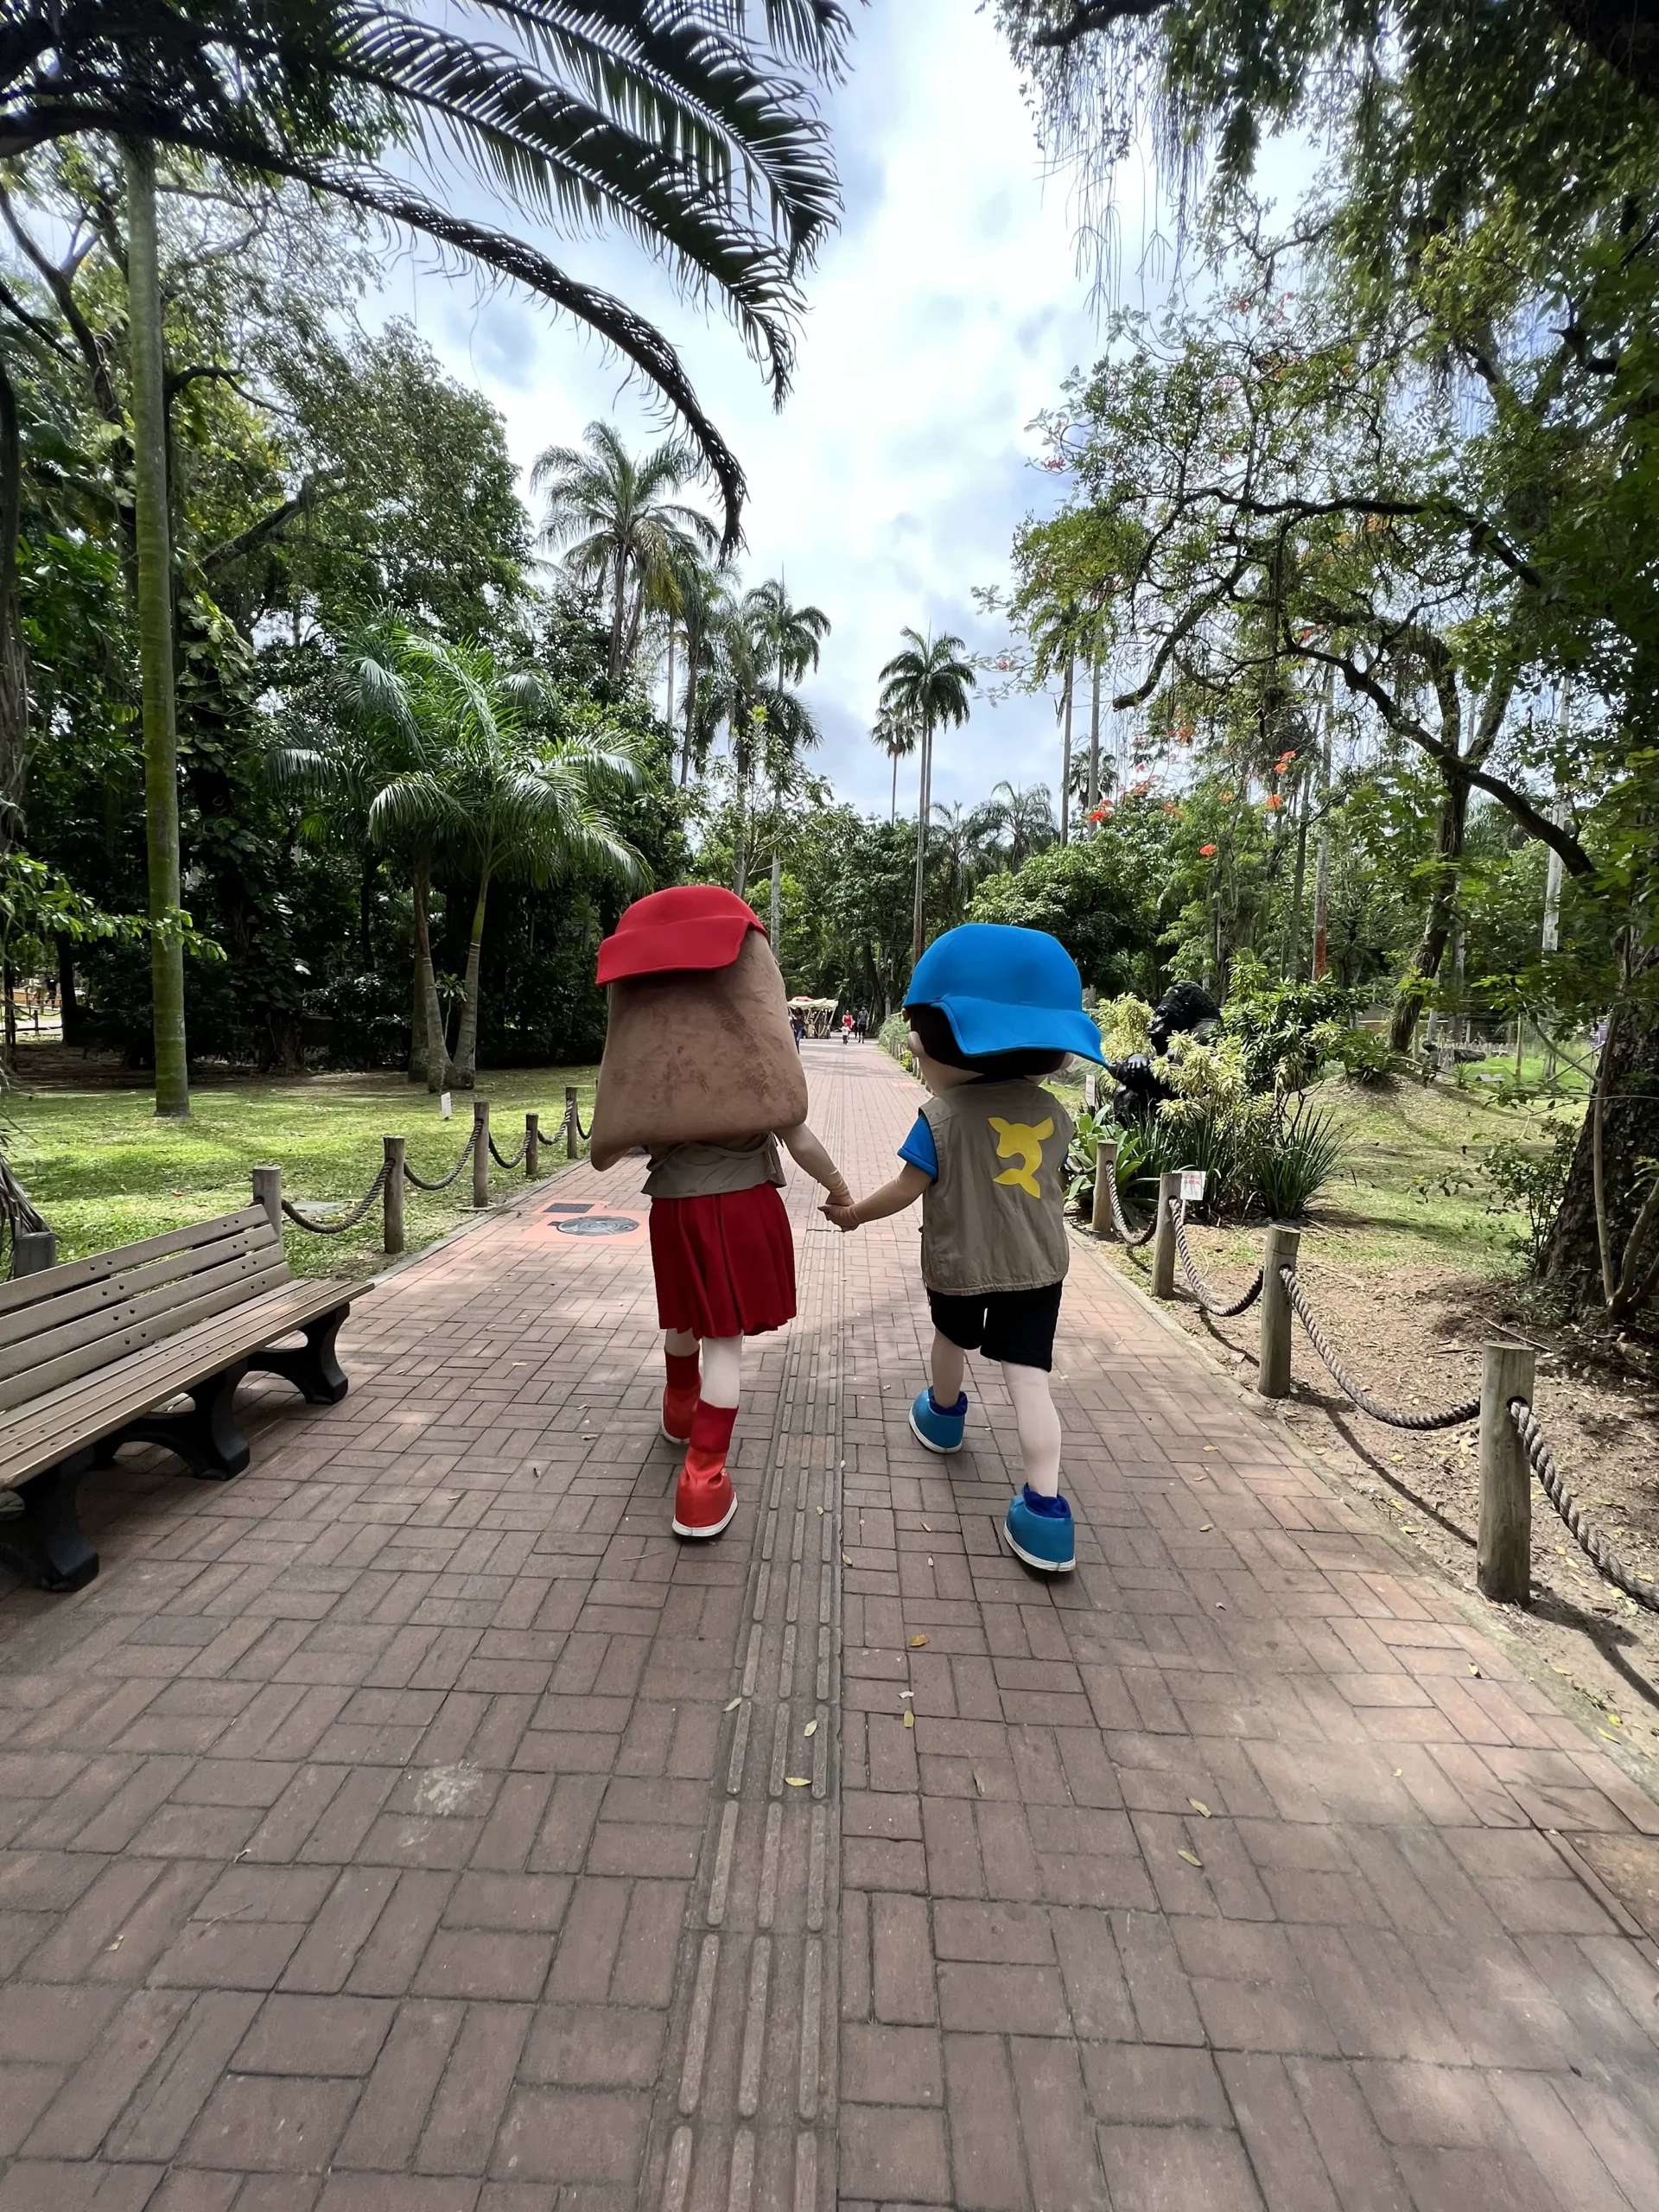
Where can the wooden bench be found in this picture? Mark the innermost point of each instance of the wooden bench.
(90, 1350)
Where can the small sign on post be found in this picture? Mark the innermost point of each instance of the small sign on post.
(1192, 1182)
(1090, 1095)
(446, 1104)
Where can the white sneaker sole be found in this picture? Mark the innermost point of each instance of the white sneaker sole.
(1042, 1565)
(927, 1443)
(698, 1535)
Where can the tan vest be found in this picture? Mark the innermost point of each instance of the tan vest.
(995, 1219)
(707, 1171)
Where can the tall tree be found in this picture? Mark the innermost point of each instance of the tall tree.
(621, 526)
(898, 738)
(927, 683)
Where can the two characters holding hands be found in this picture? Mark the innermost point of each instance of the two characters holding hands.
(701, 1072)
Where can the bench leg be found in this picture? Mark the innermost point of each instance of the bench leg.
(206, 1439)
(312, 1368)
(45, 1542)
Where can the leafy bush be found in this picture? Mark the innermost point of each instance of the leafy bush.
(893, 1037)
(1531, 1180)
(1125, 1025)
(1366, 1056)
(1291, 1155)
(1285, 1032)
(1086, 1133)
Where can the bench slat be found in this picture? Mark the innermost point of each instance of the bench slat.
(138, 1334)
(52, 1283)
(78, 1413)
(98, 1317)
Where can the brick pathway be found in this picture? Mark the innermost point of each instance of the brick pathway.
(411, 1824)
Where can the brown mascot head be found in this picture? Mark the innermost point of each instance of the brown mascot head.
(698, 1048)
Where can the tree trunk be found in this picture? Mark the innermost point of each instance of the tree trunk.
(668, 695)
(1094, 739)
(418, 1046)
(13, 657)
(619, 582)
(155, 612)
(1437, 923)
(691, 703)
(69, 1009)
(1299, 884)
(777, 909)
(1627, 1083)
(365, 914)
(466, 1070)
(893, 810)
(924, 800)
(1065, 755)
(1322, 873)
(438, 1057)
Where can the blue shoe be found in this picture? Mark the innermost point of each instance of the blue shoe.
(1039, 1531)
(939, 1427)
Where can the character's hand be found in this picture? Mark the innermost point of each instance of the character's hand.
(844, 1217)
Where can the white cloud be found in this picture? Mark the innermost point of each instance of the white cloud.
(942, 318)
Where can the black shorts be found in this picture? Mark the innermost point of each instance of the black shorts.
(1015, 1325)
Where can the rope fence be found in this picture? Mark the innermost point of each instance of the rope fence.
(1512, 1445)
(395, 1175)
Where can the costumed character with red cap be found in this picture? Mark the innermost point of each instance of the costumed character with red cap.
(700, 1072)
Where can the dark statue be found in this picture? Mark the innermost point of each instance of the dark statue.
(1184, 1009)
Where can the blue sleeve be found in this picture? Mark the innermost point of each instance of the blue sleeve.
(919, 1149)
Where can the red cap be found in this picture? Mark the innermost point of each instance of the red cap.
(695, 926)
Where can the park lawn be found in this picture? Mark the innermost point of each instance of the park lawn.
(103, 1170)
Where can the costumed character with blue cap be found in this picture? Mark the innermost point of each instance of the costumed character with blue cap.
(700, 1072)
(990, 1008)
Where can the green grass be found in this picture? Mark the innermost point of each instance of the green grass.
(104, 1171)
(1409, 1191)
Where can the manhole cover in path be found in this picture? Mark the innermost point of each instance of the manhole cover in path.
(1629, 1867)
(598, 1225)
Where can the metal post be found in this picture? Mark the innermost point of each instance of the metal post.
(481, 1153)
(33, 1250)
(1503, 1555)
(532, 1147)
(1272, 1358)
(1163, 1243)
(392, 1194)
(268, 1192)
(572, 1137)
(1105, 1177)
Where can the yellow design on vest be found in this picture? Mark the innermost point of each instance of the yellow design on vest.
(1019, 1137)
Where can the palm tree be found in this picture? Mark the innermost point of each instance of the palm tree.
(963, 833)
(928, 683)
(501, 796)
(694, 137)
(702, 596)
(1026, 817)
(623, 528)
(898, 738)
(364, 735)
(788, 639)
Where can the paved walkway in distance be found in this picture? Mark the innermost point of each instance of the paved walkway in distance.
(411, 1825)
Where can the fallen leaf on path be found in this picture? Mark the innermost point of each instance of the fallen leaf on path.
(1205, 1526)
(1192, 1859)
(733, 1707)
(799, 1781)
(1473, 1669)
(1199, 1805)
(978, 1784)
(846, 1559)
(811, 1729)
(910, 1717)
(917, 1642)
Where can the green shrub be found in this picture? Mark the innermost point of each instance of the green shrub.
(893, 1037)
(1287, 1032)
(1531, 1180)
(1291, 1155)
(1366, 1055)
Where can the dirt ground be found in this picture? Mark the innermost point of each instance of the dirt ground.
(1413, 1336)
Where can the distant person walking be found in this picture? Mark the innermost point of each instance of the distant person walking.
(846, 1027)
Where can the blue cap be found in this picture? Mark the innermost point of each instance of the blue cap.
(1006, 990)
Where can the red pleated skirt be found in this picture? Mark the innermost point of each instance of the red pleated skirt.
(725, 1266)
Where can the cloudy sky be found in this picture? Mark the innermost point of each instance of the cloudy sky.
(942, 318)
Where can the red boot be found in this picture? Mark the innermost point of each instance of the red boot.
(704, 1500)
(680, 1395)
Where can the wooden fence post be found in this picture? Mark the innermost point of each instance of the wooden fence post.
(1272, 1358)
(268, 1192)
(572, 1133)
(1163, 1243)
(1105, 1177)
(481, 1154)
(392, 1194)
(532, 1147)
(33, 1250)
(1503, 1555)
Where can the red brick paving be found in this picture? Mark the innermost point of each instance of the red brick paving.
(411, 1824)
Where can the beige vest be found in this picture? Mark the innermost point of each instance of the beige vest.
(995, 1219)
(707, 1171)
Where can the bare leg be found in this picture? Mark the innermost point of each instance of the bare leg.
(950, 1362)
(1039, 1426)
(722, 1370)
